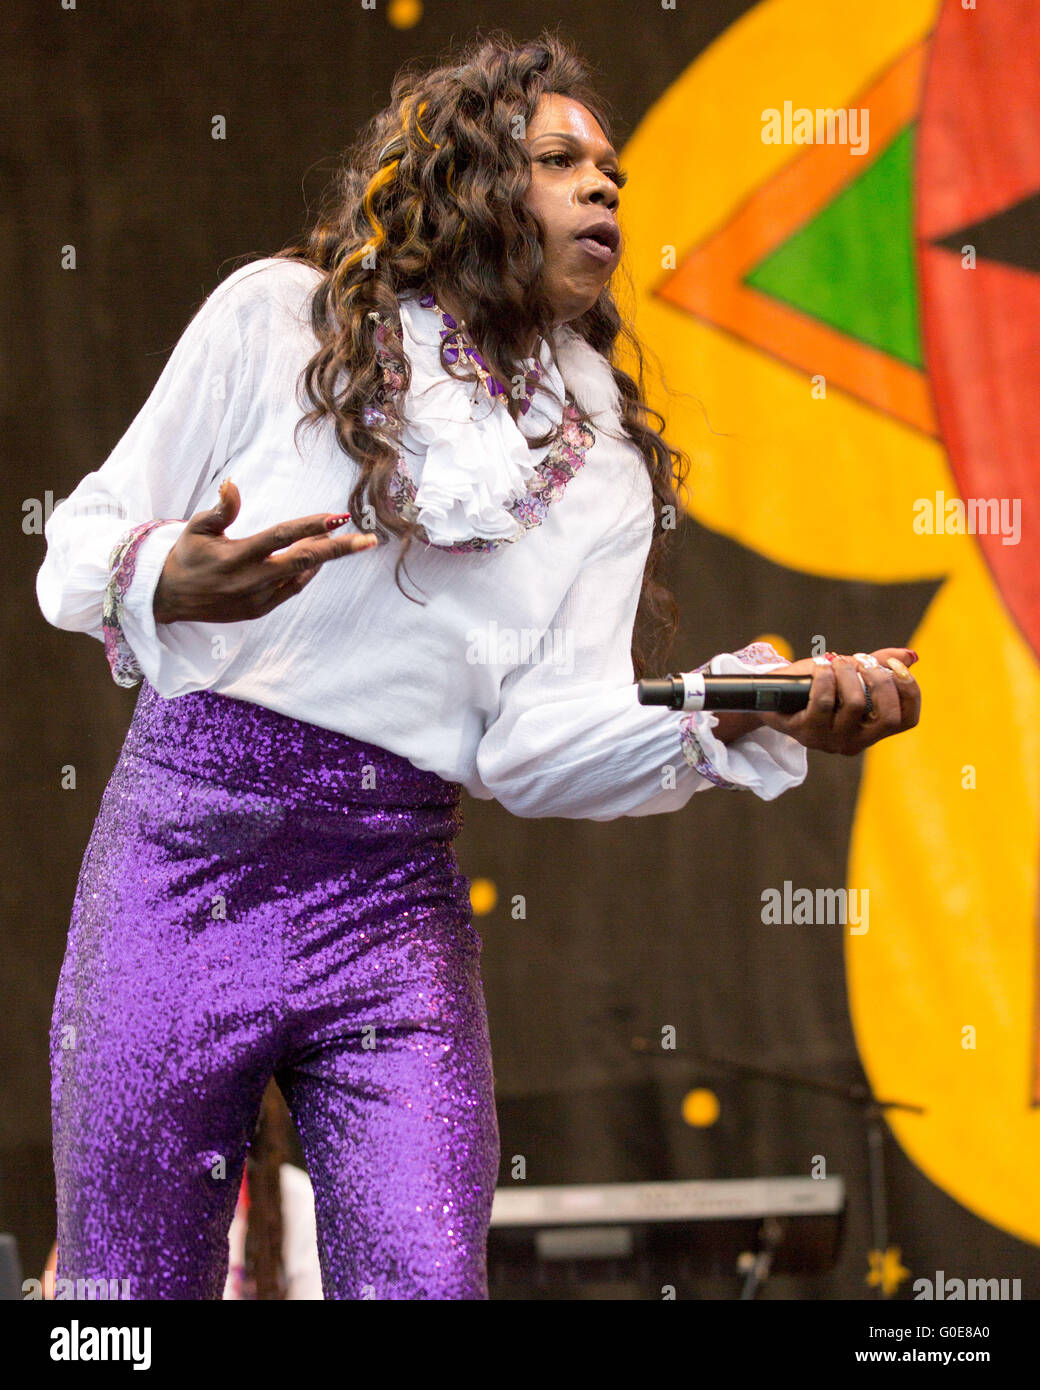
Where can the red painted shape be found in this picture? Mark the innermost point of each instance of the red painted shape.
(978, 153)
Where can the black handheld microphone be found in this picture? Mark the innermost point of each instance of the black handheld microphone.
(690, 690)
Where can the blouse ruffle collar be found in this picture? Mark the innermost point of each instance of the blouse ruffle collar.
(473, 461)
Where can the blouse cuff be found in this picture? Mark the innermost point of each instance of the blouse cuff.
(124, 565)
(764, 761)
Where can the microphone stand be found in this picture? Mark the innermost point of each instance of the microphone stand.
(872, 1110)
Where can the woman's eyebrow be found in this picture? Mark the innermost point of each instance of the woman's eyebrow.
(571, 139)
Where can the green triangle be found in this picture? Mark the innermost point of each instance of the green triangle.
(853, 265)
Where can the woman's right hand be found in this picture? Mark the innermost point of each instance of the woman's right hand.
(209, 578)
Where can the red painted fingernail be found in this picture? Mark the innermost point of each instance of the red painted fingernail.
(914, 655)
(333, 521)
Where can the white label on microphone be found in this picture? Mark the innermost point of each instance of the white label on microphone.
(693, 681)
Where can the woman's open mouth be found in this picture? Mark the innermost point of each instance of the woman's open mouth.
(601, 238)
(597, 249)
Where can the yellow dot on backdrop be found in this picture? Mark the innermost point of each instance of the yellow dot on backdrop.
(482, 896)
(780, 643)
(700, 1108)
(404, 14)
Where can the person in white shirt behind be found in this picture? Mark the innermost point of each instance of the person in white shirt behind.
(273, 1240)
(271, 886)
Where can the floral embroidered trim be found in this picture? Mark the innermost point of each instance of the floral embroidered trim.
(694, 753)
(755, 654)
(550, 477)
(122, 563)
(459, 343)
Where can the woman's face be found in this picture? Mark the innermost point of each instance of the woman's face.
(575, 183)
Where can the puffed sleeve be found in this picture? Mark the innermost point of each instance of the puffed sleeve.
(570, 738)
(108, 541)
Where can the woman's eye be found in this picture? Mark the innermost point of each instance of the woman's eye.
(617, 175)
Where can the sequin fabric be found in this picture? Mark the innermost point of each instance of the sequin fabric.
(566, 455)
(262, 897)
(122, 562)
(694, 752)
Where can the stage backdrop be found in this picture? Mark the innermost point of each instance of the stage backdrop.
(832, 222)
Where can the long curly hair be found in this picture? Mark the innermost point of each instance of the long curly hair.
(431, 196)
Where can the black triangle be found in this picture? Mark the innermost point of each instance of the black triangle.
(1011, 236)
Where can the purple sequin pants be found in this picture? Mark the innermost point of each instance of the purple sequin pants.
(262, 897)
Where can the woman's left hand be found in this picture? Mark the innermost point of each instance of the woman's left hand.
(836, 719)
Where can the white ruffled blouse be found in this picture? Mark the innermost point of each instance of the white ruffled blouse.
(468, 475)
(513, 678)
